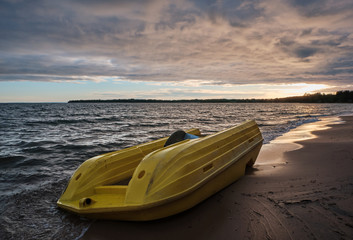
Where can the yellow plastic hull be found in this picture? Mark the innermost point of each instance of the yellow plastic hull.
(166, 180)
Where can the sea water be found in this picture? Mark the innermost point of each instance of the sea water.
(41, 145)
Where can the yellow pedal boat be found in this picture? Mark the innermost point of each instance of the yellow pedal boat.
(163, 180)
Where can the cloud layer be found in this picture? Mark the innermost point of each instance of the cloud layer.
(223, 42)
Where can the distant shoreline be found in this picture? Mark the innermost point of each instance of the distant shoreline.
(339, 97)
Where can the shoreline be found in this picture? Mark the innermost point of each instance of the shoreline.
(339, 97)
(272, 153)
(306, 193)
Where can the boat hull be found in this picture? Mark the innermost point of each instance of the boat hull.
(147, 213)
(168, 180)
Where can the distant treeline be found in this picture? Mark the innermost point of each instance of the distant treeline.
(339, 97)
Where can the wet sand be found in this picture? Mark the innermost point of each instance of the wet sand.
(295, 191)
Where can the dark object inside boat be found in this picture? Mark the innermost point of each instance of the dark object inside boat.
(179, 136)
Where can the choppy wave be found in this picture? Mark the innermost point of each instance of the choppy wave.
(42, 144)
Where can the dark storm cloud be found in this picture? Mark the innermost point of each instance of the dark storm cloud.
(237, 42)
(304, 52)
(316, 8)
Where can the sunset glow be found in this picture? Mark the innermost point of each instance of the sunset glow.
(299, 89)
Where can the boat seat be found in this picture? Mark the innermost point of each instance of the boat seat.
(179, 136)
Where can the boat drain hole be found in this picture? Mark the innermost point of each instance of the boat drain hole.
(88, 201)
(207, 168)
(78, 176)
(141, 174)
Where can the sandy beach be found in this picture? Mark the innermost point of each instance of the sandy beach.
(301, 190)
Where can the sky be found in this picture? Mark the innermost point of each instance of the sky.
(55, 51)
